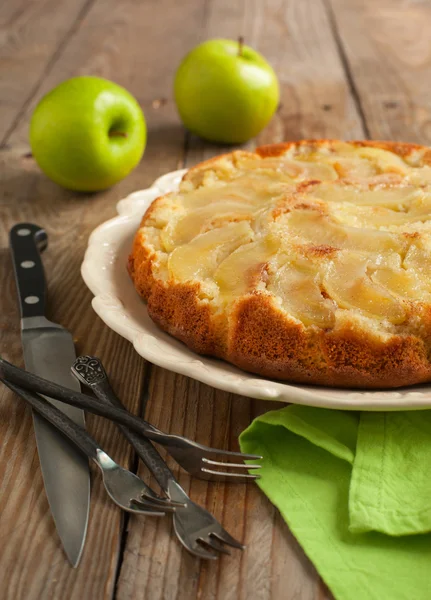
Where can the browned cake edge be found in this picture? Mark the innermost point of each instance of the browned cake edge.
(258, 338)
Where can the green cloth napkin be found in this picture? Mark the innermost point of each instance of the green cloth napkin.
(347, 483)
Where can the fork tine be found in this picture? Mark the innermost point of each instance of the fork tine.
(229, 464)
(190, 543)
(234, 454)
(229, 475)
(214, 543)
(225, 537)
(147, 508)
(143, 510)
(161, 502)
(201, 552)
(247, 456)
(154, 507)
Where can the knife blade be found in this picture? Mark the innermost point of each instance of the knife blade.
(49, 351)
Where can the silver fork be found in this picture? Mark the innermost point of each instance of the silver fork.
(197, 459)
(126, 489)
(196, 528)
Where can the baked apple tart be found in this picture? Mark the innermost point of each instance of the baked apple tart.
(307, 262)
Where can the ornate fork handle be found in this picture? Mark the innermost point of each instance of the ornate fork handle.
(89, 370)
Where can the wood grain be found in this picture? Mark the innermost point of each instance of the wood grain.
(316, 81)
(32, 37)
(298, 41)
(390, 65)
(105, 44)
(346, 69)
(32, 562)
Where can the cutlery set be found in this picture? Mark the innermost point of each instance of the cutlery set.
(50, 385)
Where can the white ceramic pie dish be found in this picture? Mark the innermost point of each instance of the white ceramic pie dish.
(119, 306)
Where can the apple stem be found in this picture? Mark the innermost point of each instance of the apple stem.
(240, 44)
(118, 134)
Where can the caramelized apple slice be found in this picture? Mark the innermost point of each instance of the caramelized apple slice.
(344, 162)
(418, 262)
(347, 282)
(400, 283)
(297, 170)
(251, 190)
(420, 204)
(310, 225)
(420, 176)
(266, 168)
(199, 258)
(384, 159)
(350, 168)
(301, 296)
(395, 198)
(314, 170)
(179, 232)
(387, 260)
(377, 216)
(242, 271)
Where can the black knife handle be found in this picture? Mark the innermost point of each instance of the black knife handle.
(78, 435)
(90, 371)
(27, 241)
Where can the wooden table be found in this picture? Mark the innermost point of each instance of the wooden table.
(348, 69)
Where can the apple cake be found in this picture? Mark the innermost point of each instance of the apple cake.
(307, 262)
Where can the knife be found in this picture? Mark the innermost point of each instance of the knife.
(49, 351)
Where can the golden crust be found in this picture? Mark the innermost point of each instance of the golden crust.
(341, 359)
(256, 335)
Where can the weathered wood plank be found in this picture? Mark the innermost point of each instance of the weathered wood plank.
(387, 48)
(118, 42)
(136, 45)
(122, 41)
(25, 522)
(316, 102)
(32, 37)
(298, 41)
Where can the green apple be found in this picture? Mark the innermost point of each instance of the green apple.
(87, 133)
(225, 91)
